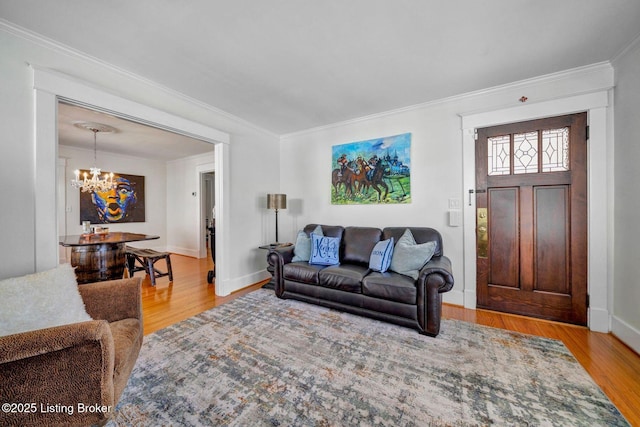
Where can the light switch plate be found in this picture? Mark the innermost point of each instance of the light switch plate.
(455, 218)
(455, 204)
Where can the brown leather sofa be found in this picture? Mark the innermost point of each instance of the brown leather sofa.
(354, 288)
(74, 374)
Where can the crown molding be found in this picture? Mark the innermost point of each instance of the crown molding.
(635, 44)
(56, 46)
(544, 79)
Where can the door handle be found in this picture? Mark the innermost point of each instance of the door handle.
(482, 237)
(471, 191)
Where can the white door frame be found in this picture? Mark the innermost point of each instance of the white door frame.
(600, 191)
(50, 87)
(200, 171)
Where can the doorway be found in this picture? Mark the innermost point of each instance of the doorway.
(50, 88)
(531, 218)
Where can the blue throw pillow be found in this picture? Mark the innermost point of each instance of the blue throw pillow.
(302, 249)
(381, 254)
(409, 257)
(324, 250)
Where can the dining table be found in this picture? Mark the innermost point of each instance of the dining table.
(100, 256)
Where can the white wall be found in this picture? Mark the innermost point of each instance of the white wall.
(184, 229)
(252, 152)
(626, 293)
(436, 176)
(437, 166)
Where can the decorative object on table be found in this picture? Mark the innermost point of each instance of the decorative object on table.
(283, 362)
(95, 183)
(123, 203)
(276, 202)
(372, 171)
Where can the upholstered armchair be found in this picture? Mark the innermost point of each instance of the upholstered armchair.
(73, 374)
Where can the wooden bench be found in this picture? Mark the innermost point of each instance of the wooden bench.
(147, 259)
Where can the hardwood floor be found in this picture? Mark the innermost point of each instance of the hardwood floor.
(612, 365)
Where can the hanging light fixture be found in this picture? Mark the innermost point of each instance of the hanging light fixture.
(94, 182)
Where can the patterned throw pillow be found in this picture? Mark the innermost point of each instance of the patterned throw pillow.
(380, 259)
(324, 250)
(409, 257)
(302, 249)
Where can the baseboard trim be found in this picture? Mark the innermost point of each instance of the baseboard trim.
(194, 253)
(598, 320)
(626, 333)
(453, 297)
(238, 283)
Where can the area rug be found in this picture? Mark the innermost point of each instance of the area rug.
(262, 361)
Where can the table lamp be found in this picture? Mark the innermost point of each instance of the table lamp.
(277, 202)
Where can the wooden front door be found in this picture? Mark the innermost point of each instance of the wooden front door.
(531, 213)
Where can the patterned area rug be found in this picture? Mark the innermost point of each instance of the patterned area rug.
(262, 361)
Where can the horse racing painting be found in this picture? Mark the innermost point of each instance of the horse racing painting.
(373, 171)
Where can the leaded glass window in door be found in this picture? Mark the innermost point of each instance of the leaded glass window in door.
(531, 152)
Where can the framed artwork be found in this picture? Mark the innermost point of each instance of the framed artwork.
(124, 203)
(372, 172)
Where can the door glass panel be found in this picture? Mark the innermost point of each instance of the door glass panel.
(525, 152)
(555, 150)
(499, 155)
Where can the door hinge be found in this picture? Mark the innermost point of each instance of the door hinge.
(588, 301)
(587, 132)
(475, 134)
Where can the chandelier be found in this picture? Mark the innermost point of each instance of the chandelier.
(93, 182)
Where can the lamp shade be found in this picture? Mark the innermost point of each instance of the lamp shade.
(276, 201)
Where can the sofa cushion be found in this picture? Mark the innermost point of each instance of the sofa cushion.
(390, 286)
(358, 244)
(302, 249)
(327, 230)
(380, 259)
(302, 272)
(40, 300)
(345, 277)
(324, 250)
(420, 235)
(409, 257)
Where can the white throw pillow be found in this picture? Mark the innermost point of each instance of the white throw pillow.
(40, 300)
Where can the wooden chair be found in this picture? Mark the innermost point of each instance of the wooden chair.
(147, 259)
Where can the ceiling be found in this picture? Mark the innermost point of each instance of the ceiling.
(129, 139)
(291, 65)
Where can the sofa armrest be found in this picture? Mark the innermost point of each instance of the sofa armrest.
(113, 300)
(439, 265)
(434, 279)
(277, 258)
(286, 252)
(66, 365)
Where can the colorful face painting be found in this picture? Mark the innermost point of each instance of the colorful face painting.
(123, 203)
(114, 205)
